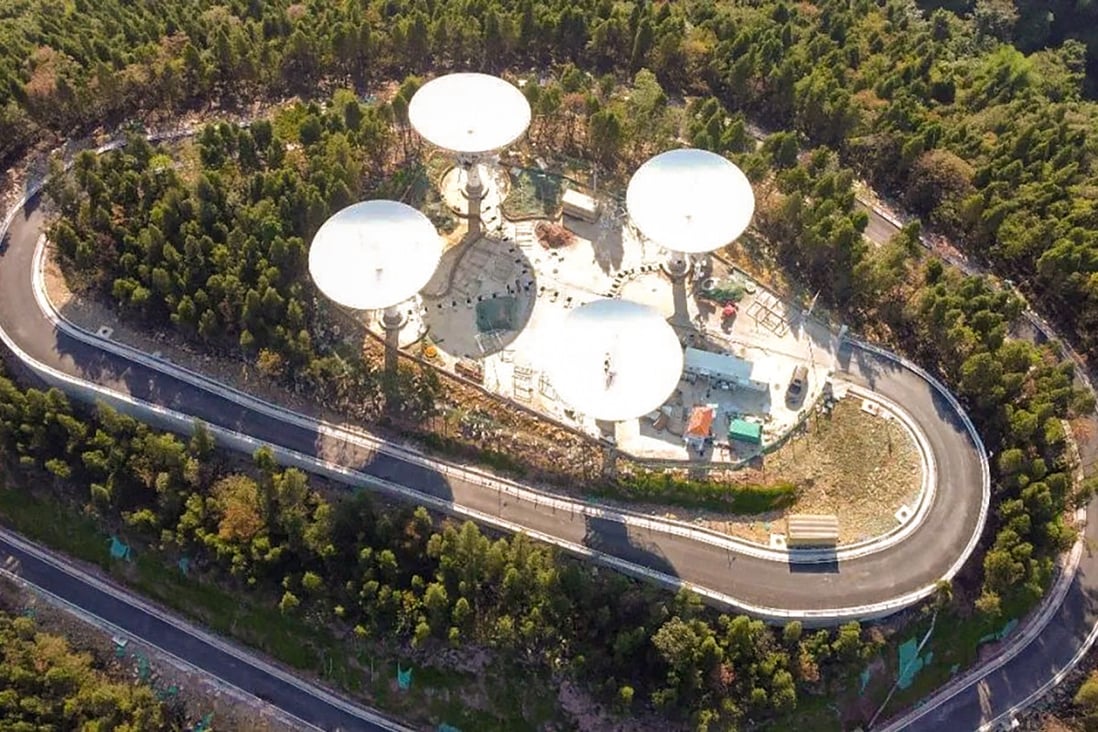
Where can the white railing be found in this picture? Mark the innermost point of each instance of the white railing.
(177, 421)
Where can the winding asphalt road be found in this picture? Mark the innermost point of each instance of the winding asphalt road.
(990, 698)
(844, 588)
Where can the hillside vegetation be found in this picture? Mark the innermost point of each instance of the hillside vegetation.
(399, 577)
(990, 145)
(46, 684)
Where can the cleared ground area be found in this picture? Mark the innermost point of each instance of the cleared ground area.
(856, 465)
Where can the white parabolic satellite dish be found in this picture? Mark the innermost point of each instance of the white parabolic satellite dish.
(374, 255)
(469, 113)
(615, 360)
(690, 200)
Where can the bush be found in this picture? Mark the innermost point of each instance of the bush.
(453, 447)
(1087, 696)
(745, 498)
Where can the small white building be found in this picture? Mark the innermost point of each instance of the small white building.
(722, 367)
(579, 205)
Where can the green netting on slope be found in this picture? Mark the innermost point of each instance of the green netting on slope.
(404, 678)
(144, 669)
(911, 663)
(1003, 633)
(169, 693)
(120, 550)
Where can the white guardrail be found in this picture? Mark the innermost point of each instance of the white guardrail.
(177, 421)
(1054, 599)
(107, 626)
(985, 468)
(512, 489)
(1030, 632)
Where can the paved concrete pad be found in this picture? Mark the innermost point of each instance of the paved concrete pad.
(608, 258)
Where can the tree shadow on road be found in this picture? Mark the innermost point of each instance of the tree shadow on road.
(627, 543)
(872, 370)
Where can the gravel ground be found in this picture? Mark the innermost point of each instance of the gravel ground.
(855, 465)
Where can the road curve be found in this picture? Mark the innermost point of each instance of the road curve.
(1049, 645)
(844, 590)
(930, 553)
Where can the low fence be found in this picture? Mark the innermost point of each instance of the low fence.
(178, 422)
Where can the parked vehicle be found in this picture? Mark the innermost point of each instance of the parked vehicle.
(798, 385)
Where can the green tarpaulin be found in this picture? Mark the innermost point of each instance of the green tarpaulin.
(741, 429)
(498, 313)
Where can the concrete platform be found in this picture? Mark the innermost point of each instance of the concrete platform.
(608, 259)
(496, 184)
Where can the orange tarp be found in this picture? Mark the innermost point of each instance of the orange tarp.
(701, 422)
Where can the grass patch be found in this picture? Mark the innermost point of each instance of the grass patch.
(453, 447)
(256, 623)
(816, 712)
(55, 525)
(532, 195)
(50, 522)
(744, 499)
(955, 642)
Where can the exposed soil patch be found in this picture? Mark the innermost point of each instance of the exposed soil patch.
(859, 466)
(855, 465)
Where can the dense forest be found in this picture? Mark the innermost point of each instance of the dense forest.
(384, 572)
(222, 256)
(985, 143)
(989, 145)
(46, 684)
(216, 250)
(1034, 25)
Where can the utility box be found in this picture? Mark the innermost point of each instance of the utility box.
(580, 206)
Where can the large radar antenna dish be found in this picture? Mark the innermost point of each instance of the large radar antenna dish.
(469, 114)
(374, 255)
(690, 201)
(615, 360)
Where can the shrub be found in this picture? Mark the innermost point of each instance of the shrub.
(744, 498)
